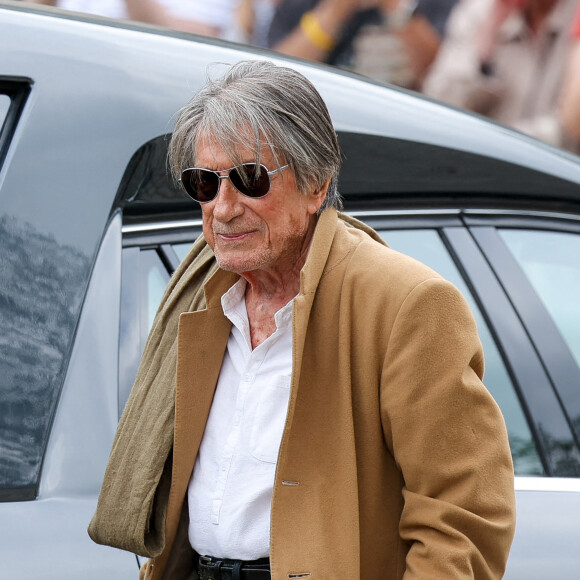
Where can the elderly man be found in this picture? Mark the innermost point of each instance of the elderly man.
(309, 404)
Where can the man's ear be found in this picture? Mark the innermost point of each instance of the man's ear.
(317, 197)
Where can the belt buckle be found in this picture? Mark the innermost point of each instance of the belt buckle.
(205, 568)
(205, 560)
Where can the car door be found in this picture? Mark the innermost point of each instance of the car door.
(535, 259)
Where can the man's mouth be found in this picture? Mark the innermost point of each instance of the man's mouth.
(233, 236)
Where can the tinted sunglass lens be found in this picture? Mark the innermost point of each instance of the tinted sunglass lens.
(203, 184)
(248, 181)
(200, 184)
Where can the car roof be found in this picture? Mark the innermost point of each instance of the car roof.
(399, 147)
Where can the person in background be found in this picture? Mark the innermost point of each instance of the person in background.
(252, 21)
(309, 403)
(213, 18)
(387, 40)
(200, 17)
(506, 59)
(570, 102)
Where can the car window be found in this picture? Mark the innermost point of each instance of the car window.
(4, 106)
(156, 278)
(50, 231)
(40, 297)
(144, 280)
(550, 260)
(182, 249)
(428, 247)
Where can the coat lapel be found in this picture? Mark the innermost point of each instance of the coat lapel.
(201, 345)
(309, 278)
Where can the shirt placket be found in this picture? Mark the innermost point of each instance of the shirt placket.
(247, 379)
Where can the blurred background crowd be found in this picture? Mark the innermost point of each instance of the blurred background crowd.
(515, 61)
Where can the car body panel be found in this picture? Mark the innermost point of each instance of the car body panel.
(47, 539)
(546, 515)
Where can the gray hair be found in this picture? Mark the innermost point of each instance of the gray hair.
(257, 103)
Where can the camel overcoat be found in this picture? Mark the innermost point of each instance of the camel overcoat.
(394, 461)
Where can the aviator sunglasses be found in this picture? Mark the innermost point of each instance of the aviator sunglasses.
(250, 179)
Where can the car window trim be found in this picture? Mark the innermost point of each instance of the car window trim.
(541, 406)
(169, 257)
(523, 483)
(17, 89)
(167, 233)
(12, 494)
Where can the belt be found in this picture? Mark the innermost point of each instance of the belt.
(210, 568)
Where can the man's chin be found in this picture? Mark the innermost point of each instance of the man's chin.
(237, 265)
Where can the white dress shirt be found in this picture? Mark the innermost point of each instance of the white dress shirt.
(230, 491)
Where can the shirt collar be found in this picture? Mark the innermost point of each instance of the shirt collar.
(234, 307)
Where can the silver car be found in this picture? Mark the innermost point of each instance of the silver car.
(91, 228)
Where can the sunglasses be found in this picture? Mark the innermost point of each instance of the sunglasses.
(250, 179)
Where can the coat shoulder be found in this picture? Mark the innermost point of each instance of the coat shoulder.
(362, 258)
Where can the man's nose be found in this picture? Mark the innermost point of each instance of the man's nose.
(227, 202)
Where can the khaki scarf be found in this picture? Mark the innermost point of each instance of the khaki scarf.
(128, 515)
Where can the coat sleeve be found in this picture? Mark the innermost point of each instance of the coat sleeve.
(448, 438)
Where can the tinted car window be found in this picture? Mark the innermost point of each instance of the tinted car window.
(427, 246)
(4, 105)
(46, 253)
(37, 320)
(551, 263)
(41, 283)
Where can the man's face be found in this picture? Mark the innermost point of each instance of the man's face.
(268, 235)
